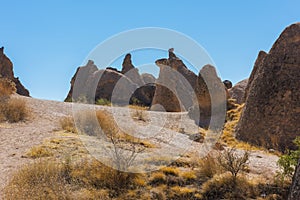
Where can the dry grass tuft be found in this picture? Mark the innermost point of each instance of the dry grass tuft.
(40, 180)
(7, 87)
(14, 110)
(208, 167)
(228, 135)
(39, 152)
(67, 124)
(170, 171)
(225, 187)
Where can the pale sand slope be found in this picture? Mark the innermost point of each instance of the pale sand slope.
(17, 139)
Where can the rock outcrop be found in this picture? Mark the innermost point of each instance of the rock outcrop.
(178, 89)
(294, 193)
(6, 71)
(174, 86)
(120, 87)
(237, 92)
(272, 109)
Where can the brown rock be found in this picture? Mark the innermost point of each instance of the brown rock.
(179, 89)
(272, 110)
(6, 71)
(110, 84)
(294, 193)
(174, 86)
(237, 92)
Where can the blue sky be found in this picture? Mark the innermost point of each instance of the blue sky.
(48, 40)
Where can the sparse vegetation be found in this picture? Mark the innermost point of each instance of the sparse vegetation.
(232, 162)
(228, 134)
(139, 115)
(67, 124)
(39, 152)
(11, 109)
(288, 162)
(40, 180)
(224, 187)
(103, 102)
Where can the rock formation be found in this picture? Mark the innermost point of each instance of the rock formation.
(174, 86)
(6, 71)
(272, 109)
(179, 89)
(294, 193)
(122, 87)
(237, 92)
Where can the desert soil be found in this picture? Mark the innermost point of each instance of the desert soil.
(17, 138)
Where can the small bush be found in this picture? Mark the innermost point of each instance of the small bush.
(14, 110)
(96, 175)
(67, 124)
(232, 162)
(288, 162)
(7, 88)
(189, 176)
(103, 102)
(40, 180)
(157, 178)
(208, 167)
(225, 187)
(39, 152)
(183, 193)
(170, 171)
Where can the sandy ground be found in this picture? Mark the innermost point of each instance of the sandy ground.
(16, 139)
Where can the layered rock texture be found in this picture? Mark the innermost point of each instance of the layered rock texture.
(6, 71)
(272, 108)
(120, 87)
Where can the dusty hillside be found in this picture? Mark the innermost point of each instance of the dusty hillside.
(18, 138)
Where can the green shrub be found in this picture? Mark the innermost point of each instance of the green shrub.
(103, 102)
(288, 161)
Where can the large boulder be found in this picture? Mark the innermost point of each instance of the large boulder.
(6, 71)
(294, 193)
(272, 109)
(237, 92)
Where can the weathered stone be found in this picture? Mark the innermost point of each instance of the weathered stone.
(237, 92)
(294, 193)
(174, 86)
(272, 110)
(6, 71)
(110, 84)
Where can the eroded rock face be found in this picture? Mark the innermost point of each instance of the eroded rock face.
(121, 88)
(178, 89)
(237, 92)
(294, 193)
(272, 110)
(174, 86)
(6, 71)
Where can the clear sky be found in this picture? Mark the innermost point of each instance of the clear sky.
(48, 40)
